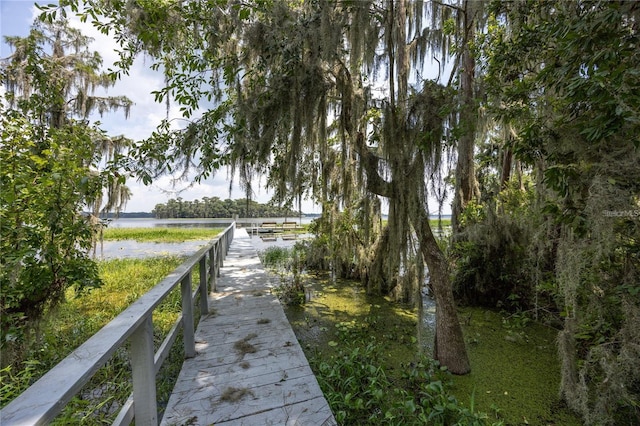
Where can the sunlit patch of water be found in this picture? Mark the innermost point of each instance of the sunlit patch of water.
(138, 250)
(342, 303)
(427, 327)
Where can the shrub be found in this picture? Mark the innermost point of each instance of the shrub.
(360, 391)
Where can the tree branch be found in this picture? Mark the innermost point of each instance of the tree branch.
(375, 183)
(451, 6)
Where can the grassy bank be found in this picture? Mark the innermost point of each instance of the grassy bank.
(160, 235)
(75, 320)
(435, 223)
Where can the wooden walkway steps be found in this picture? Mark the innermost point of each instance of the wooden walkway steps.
(249, 368)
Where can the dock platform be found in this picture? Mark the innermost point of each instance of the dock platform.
(249, 368)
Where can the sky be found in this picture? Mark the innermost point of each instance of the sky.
(16, 17)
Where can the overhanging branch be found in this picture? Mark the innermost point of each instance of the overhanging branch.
(375, 183)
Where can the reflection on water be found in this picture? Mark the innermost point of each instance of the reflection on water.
(427, 329)
(332, 302)
(137, 250)
(261, 245)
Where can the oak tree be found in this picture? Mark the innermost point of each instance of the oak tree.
(52, 169)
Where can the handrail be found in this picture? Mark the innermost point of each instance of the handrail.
(47, 397)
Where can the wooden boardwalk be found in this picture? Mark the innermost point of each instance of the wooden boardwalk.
(249, 368)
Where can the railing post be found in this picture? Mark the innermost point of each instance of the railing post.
(223, 246)
(212, 268)
(204, 288)
(222, 252)
(144, 376)
(187, 317)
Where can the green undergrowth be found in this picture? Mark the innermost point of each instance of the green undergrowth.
(78, 318)
(365, 353)
(275, 258)
(366, 386)
(160, 235)
(287, 265)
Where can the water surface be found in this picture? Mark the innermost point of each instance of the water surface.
(132, 249)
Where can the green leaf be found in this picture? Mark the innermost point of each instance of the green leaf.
(244, 13)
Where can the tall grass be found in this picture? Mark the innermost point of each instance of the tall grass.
(160, 235)
(436, 223)
(275, 257)
(78, 318)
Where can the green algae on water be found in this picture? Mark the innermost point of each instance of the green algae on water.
(515, 372)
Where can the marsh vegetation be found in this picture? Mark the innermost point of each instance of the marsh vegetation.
(367, 354)
(64, 327)
(160, 234)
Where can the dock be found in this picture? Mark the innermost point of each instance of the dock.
(272, 227)
(249, 368)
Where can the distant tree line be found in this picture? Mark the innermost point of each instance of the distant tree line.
(215, 207)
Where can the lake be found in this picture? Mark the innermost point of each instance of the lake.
(208, 222)
(137, 249)
(215, 222)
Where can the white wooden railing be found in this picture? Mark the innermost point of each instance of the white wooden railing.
(47, 397)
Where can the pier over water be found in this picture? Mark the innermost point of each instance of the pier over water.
(249, 368)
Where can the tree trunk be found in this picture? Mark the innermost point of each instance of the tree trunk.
(449, 347)
(505, 174)
(466, 187)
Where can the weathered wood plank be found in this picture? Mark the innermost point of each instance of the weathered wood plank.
(144, 374)
(249, 368)
(311, 412)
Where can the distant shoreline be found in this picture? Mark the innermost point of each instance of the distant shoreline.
(149, 215)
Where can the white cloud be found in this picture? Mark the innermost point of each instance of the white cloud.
(166, 187)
